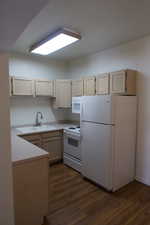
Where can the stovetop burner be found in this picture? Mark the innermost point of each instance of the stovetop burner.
(73, 129)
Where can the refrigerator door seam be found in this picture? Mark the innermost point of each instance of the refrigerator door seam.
(108, 124)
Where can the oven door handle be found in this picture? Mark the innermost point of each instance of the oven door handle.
(73, 136)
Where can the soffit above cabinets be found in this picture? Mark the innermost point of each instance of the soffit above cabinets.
(102, 24)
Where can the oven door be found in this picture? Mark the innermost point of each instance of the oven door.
(72, 145)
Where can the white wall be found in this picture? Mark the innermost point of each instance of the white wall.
(6, 195)
(133, 55)
(36, 67)
(23, 109)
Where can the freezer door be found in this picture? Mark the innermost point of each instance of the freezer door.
(97, 109)
(96, 148)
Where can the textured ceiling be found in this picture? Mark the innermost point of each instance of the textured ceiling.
(102, 24)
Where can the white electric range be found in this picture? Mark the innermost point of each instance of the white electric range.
(72, 147)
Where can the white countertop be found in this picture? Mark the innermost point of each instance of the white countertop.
(23, 150)
(44, 128)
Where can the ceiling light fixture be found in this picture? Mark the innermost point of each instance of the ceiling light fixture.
(55, 41)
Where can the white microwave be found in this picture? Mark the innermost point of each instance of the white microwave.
(76, 105)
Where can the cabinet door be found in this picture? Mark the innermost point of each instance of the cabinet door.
(23, 86)
(102, 84)
(53, 146)
(44, 88)
(118, 82)
(31, 191)
(89, 86)
(63, 93)
(10, 86)
(54, 88)
(77, 88)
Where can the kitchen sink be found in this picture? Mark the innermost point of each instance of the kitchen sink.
(35, 129)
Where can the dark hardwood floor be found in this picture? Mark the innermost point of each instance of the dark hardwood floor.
(75, 201)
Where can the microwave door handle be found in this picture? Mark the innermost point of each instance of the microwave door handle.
(73, 136)
(82, 111)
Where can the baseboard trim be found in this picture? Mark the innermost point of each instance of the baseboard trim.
(142, 180)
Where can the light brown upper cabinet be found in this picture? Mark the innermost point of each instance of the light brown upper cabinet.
(44, 88)
(77, 88)
(102, 84)
(123, 82)
(22, 86)
(63, 93)
(89, 85)
(10, 86)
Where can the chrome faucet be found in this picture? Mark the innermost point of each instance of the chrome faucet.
(38, 123)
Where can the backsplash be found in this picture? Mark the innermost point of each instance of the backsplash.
(23, 110)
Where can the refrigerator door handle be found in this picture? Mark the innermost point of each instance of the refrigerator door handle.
(81, 110)
(107, 124)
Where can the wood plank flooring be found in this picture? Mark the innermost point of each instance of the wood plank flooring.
(75, 201)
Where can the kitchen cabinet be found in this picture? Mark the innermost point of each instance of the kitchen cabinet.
(10, 86)
(77, 88)
(52, 143)
(102, 84)
(89, 85)
(63, 94)
(22, 86)
(123, 82)
(33, 138)
(53, 146)
(54, 89)
(44, 88)
(49, 141)
(37, 143)
(30, 185)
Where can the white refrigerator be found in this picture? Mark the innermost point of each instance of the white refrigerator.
(108, 137)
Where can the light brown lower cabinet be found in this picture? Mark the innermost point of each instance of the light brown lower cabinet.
(30, 180)
(49, 141)
(37, 143)
(35, 139)
(53, 145)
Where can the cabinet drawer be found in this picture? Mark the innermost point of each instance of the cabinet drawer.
(31, 138)
(45, 140)
(52, 134)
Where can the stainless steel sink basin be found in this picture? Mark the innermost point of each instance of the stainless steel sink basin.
(34, 129)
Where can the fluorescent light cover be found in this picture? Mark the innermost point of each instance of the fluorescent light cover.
(54, 44)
